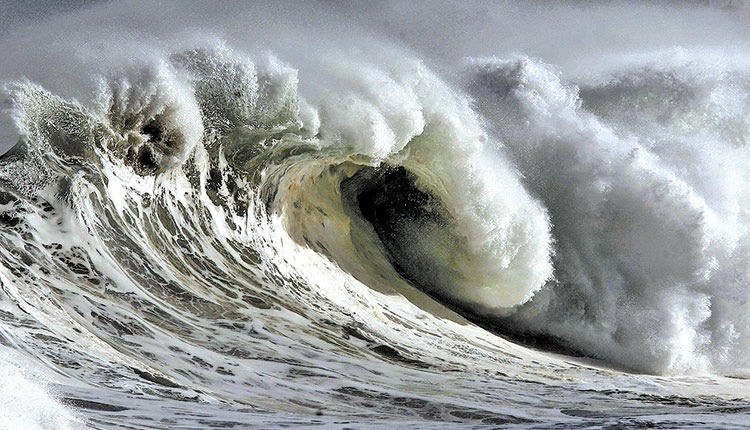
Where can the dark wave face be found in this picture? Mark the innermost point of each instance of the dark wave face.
(351, 234)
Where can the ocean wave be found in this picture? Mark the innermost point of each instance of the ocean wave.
(201, 215)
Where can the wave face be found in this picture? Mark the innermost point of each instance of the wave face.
(211, 240)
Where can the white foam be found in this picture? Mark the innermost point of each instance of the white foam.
(26, 401)
(642, 183)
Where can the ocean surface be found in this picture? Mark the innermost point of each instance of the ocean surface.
(351, 215)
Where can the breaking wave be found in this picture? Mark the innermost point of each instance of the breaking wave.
(200, 217)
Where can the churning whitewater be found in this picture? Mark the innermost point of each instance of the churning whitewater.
(213, 236)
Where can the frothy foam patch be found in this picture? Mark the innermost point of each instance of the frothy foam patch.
(26, 402)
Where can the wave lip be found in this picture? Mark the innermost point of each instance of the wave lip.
(493, 251)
